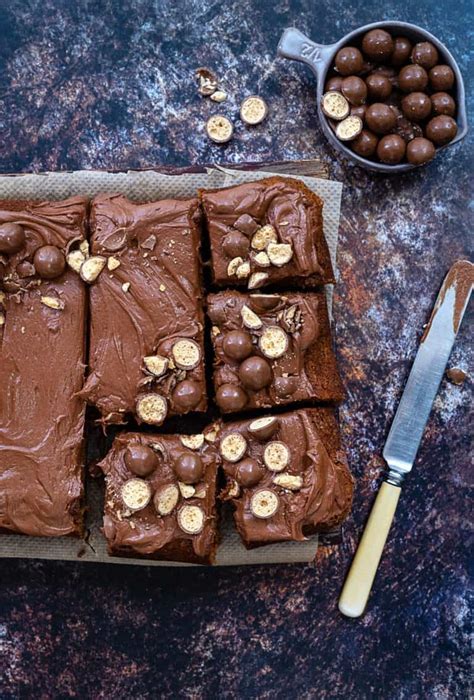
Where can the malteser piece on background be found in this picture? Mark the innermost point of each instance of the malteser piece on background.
(160, 497)
(272, 349)
(146, 346)
(42, 340)
(291, 484)
(277, 216)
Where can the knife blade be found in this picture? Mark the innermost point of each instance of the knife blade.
(407, 430)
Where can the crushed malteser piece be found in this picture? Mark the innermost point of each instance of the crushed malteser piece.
(263, 428)
(200, 491)
(276, 456)
(113, 263)
(162, 288)
(233, 490)
(149, 242)
(2, 318)
(136, 494)
(215, 330)
(186, 490)
(257, 279)
(92, 267)
(191, 519)
(349, 128)
(243, 271)
(292, 318)
(233, 447)
(273, 342)
(157, 365)
(253, 110)
(2, 297)
(75, 259)
(335, 106)
(263, 236)
(125, 286)
(279, 253)
(52, 302)
(186, 353)
(211, 434)
(264, 503)
(219, 96)
(219, 128)
(233, 266)
(152, 408)
(207, 81)
(262, 259)
(193, 442)
(166, 499)
(250, 318)
(84, 248)
(292, 482)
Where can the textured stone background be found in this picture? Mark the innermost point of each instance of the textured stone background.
(109, 85)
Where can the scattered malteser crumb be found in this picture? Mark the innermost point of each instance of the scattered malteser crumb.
(335, 105)
(126, 286)
(207, 81)
(233, 266)
(215, 330)
(211, 435)
(253, 110)
(2, 319)
(219, 128)
(52, 302)
(84, 248)
(113, 263)
(162, 288)
(186, 490)
(292, 482)
(92, 267)
(456, 375)
(75, 259)
(219, 96)
(349, 128)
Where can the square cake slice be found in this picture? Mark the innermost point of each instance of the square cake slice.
(160, 497)
(272, 349)
(267, 232)
(287, 476)
(42, 348)
(146, 346)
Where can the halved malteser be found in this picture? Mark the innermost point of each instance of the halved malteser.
(263, 428)
(250, 318)
(276, 456)
(335, 106)
(191, 519)
(186, 353)
(264, 503)
(136, 494)
(233, 447)
(349, 128)
(291, 482)
(92, 267)
(273, 342)
(157, 365)
(152, 408)
(166, 499)
(192, 442)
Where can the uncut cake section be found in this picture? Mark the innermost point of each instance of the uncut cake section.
(42, 355)
(146, 341)
(267, 232)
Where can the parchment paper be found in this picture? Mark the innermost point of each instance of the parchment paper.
(152, 185)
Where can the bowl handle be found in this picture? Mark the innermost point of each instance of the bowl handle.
(297, 47)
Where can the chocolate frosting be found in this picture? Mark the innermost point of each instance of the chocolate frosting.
(307, 370)
(290, 207)
(145, 532)
(157, 245)
(325, 498)
(41, 371)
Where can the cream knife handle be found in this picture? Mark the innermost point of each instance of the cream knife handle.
(361, 575)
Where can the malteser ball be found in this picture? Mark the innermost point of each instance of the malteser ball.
(334, 84)
(12, 238)
(49, 262)
(441, 130)
(377, 45)
(237, 345)
(391, 149)
(365, 144)
(249, 472)
(255, 373)
(425, 54)
(349, 60)
(380, 118)
(378, 86)
(141, 460)
(401, 51)
(186, 395)
(354, 89)
(189, 467)
(443, 104)
(441, 78)
(412, 78)
(231, 397)
(416, 106)
(420, 151)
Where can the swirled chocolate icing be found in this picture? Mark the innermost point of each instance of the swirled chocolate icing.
(145, 532)
(144, 305)
(307, 369)
(290, 207)
(41, 371)
(324, 499)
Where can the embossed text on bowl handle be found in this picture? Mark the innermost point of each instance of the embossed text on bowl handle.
(296, 46)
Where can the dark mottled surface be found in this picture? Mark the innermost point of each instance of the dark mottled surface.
(109, 85)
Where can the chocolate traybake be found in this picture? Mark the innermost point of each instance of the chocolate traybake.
(266, 232)
(42, 333)
(271, 349)
(160, 496)
(287, 476)
(146, 346)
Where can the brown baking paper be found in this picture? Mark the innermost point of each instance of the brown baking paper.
(141, 186)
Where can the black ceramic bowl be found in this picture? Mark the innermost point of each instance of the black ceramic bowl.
(320, 58)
